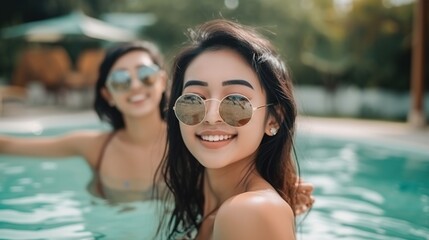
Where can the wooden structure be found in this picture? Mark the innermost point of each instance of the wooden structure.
(416, 116)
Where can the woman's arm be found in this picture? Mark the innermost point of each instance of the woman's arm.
(83, 144)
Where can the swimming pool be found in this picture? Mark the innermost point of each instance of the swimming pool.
(363, 189)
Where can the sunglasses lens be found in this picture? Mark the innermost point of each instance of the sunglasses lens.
(190, 109)
(146, 74)
(119, 80)
(236, 110)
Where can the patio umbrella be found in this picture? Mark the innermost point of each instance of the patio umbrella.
(74, 25)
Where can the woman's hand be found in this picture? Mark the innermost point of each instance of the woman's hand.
(305, 199)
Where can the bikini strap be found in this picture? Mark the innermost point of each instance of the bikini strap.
(103, 150)
(98, 185)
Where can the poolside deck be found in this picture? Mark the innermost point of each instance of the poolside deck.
(393, 133)
(401, 134)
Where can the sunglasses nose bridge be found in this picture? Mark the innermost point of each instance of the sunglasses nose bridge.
(134, 81)
(212, 110)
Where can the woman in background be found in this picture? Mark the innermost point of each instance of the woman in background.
(130, 95)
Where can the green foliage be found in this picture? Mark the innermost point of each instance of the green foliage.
(380, 45)
(366, 45)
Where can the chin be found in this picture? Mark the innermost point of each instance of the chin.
(212, 163)
(142, 112)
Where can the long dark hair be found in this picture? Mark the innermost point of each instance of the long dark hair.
(274, 160)
(110, 113)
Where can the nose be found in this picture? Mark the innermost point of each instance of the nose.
(135, 82)
(212, 112)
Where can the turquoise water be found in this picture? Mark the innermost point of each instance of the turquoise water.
(363, 190)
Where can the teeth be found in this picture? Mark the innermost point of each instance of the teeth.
(136, 98)
(216, 138)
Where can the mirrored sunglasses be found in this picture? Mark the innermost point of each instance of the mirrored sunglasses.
(120, 80)
(235, 110)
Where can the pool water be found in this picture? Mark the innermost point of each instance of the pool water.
(363, 190)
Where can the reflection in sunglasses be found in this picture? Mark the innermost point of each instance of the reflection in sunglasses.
(120, 80)
(236, 110)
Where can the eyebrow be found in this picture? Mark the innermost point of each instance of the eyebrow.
(145, 65)
(237, 82)
(225, 83)
(195, 82)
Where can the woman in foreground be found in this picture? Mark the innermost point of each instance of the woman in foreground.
(231, 123)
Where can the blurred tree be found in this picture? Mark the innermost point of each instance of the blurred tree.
(366, 43)
(16, 12)
(277, 19)
(381, 45)
(325, 49)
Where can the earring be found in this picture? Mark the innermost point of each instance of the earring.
(273, 131)
(111, 103)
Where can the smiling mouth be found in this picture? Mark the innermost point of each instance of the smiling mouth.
(136, 98)
(215, 138)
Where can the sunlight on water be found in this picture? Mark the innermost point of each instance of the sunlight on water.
(51, 206)
(50, 212)
(75, 231)
(363, 191)
(58, 213)
(13, 170)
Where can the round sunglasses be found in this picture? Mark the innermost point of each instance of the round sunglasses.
(235, 109)
(120, 80)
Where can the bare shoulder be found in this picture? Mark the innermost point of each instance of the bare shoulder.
(89, 134)
(89, 143)
(85, 143)
(258, 203)
(261, 214)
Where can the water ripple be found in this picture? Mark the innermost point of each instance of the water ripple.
(75, 231)
(50, 208)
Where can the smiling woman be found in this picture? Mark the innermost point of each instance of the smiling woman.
(125, 160)
(231, 132)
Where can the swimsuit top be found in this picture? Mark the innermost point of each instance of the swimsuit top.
(97, 188)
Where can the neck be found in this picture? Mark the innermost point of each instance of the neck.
(222, 184)
(144, 129)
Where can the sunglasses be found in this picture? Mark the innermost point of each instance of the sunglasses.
(120, 80)
(235, 110)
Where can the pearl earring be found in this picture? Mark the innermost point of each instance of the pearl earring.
(273, 131)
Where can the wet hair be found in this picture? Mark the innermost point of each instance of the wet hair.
(274, 161)
(110, 113)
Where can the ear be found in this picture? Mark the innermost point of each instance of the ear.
(271, 126)
(107, 96)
